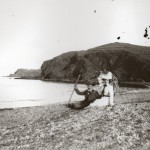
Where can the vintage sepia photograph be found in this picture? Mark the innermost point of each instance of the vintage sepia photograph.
(74, 75)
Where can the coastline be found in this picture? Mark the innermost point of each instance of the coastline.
(121, 83)
(125, 125)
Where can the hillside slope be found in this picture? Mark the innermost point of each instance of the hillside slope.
(128, 62)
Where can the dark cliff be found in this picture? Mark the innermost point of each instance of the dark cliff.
(128, 62)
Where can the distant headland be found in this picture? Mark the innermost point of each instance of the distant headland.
(26, 74)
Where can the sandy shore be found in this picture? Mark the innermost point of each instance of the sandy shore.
(123, 126)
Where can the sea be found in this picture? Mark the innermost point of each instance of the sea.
(27, 93)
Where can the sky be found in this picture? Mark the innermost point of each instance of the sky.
(32, 31)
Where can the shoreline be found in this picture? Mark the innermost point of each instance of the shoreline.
(129, 84)
(133, 95)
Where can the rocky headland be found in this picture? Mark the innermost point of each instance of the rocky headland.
(27, 74)
(129, 63)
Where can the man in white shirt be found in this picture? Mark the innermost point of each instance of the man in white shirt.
(104, 80)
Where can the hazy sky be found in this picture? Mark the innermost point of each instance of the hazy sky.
(32, 31)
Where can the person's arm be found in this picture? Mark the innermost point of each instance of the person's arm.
(115, 81)
(77, 91)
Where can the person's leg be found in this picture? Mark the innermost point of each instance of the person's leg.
(80, 104)
(111, 93)
(75, 105)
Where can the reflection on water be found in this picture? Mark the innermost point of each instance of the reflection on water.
(24, 93)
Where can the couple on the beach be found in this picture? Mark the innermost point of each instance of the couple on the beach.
(105, 88)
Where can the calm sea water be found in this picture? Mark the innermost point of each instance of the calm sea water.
(25, 93)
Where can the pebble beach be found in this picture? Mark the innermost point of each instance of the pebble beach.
(126, 125)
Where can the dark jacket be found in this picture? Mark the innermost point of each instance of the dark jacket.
(90, 95)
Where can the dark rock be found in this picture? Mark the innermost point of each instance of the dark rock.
(127, 62)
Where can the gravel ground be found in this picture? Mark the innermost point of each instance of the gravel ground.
(126, 125)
